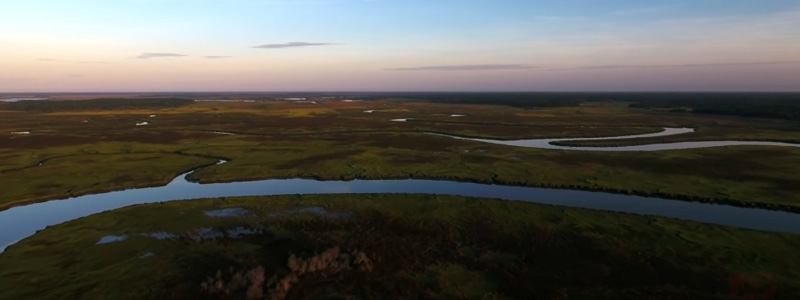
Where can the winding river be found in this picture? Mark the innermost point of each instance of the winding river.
(19, 222)
(548, 143)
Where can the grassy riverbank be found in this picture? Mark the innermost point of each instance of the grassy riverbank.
(396, 246)
(764, 175)
(76, 175)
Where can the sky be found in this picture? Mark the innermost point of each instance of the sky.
(399, 45)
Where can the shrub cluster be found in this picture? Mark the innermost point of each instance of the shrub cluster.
(252, 284)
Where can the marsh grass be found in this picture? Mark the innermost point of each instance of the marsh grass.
(336, 140)
(393, 247)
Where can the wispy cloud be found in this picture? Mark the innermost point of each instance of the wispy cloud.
(561, 18)
(485, 67)
(216, 57)
(158, 55)
(642, 10)
(291, 45)
(722, 64)
(50, 60)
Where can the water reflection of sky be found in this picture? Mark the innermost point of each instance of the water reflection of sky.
(22, 221)
(547, 143)
(20, 99)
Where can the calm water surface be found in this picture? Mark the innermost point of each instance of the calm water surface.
(22, 221)
(547, 143)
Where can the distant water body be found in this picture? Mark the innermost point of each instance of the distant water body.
(20, 99)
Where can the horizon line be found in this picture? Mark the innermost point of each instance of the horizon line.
(392, 91)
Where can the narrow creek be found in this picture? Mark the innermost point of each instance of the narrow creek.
(548, 143)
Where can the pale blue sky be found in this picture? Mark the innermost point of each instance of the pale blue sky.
(165, 45)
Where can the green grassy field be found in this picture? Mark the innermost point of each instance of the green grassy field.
(75, 175)
(337, 140)
(392, 247)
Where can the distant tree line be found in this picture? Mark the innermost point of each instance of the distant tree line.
(95, 104)
(522, 100)
(763, 105)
